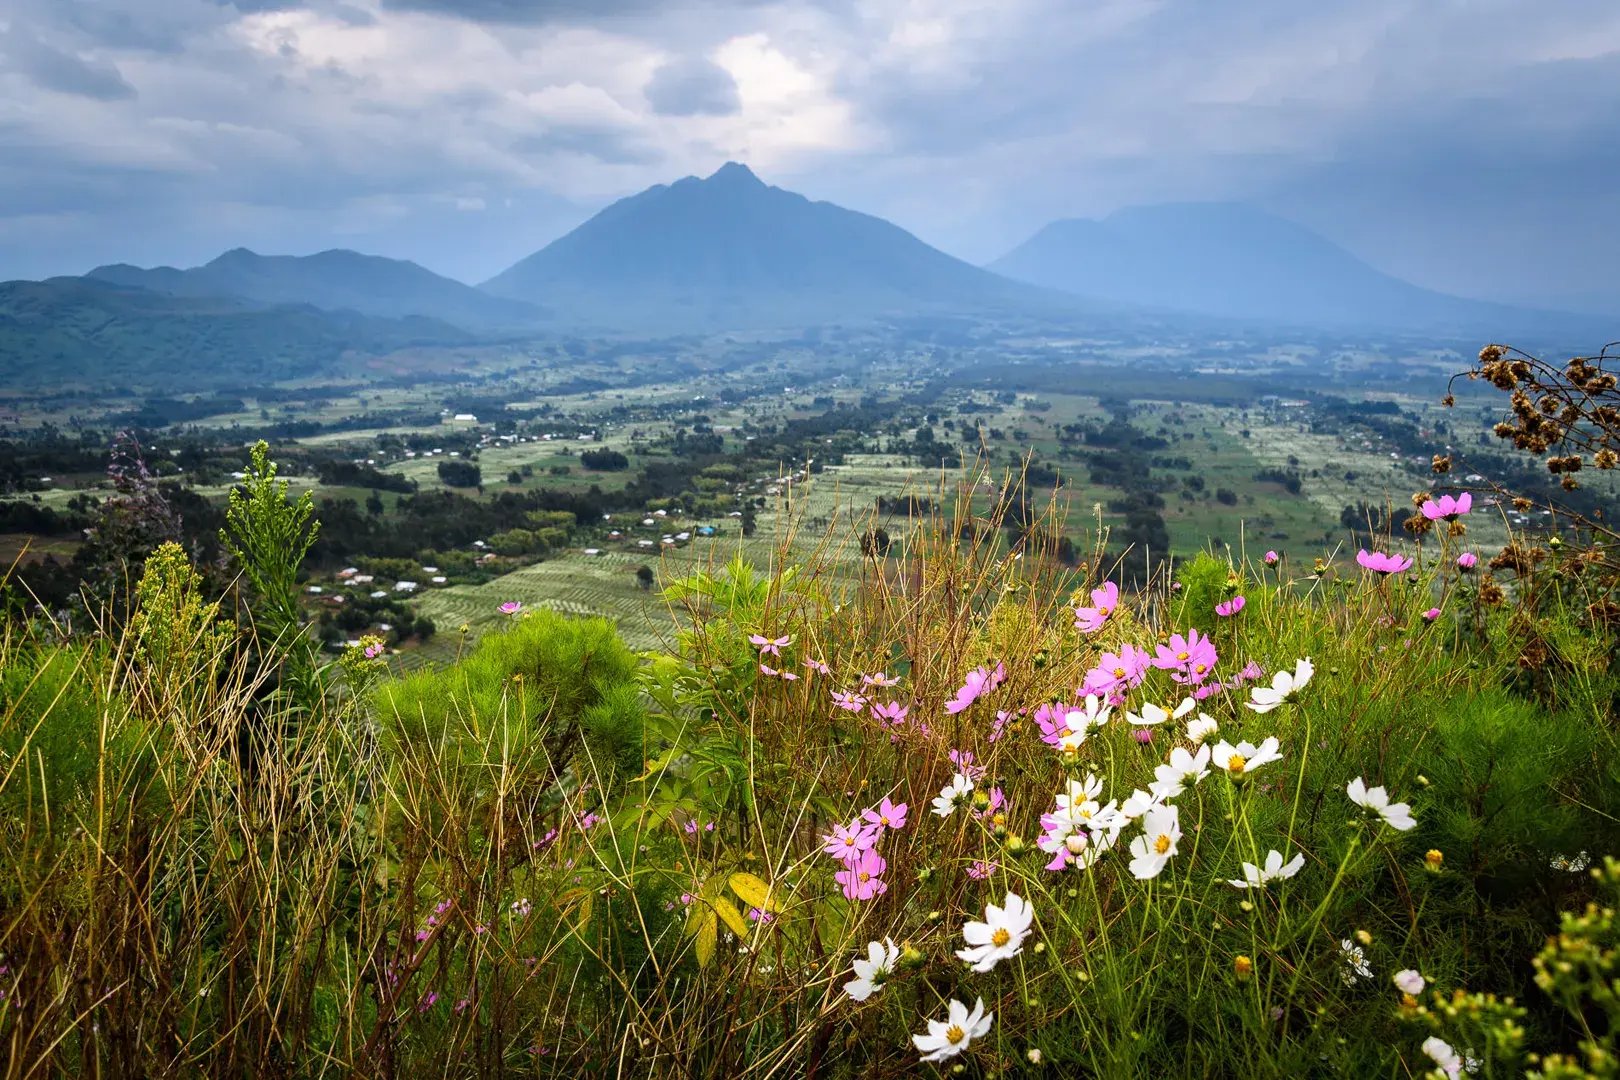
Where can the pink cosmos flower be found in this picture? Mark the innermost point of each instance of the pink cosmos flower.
(818, 667)
(978, 681)
(887, 815)
(880, 679)
(1227, 608)
(981, 870)
(1431, 615)
(1052, 719)
(891, 714)
(769, 646)
(998, 726)
(1447, 508)
(374, 650)
(997, 800)
(1088, 620)
(963, 760)
(1272, 558)
(1189, 659)
(511, 607)
(846, 842)
(1467, 561)
(1143, 735)
(1381, 563)
(861, 877)
(849, 700)
(1117, 671)
(771, 672)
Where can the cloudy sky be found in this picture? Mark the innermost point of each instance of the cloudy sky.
(1469, 145)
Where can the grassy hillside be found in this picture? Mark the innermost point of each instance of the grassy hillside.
(69, 331)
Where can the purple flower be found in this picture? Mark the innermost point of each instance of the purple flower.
(849, 842)
(887, 815)
(978, 681)
(1381, 563)
(1272, 558)
(849, 700)
(1431, 615)
(891, 714)
(1088, 620)
(1447, 508)
(861, 877)
(981, 870)
(1117, 671)
(1189, 659)
(1143, 735)
(1227, 608)
(1467, 561)
(511, 607)
(771, 646)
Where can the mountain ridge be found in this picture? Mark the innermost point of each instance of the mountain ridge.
(1233, 260)
(730, 250)
(336, 279)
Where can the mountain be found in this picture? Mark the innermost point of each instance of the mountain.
(1239, 262)
(729, 251)
(336, 280)
(67, 330)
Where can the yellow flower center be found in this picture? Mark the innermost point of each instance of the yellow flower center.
(1237, 764)
(1000, 937)
(954, 1034)
(1200, 668)
(884, 820)
(1119, 673)
(1104, 612)
(849, 841)
(864, 876)
(1162, 844)
(1182, 655)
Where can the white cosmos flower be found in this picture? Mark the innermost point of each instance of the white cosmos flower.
(948, 1037)
(1183, 768)
(1353, 963)
(1284, 685)
(1444, 1057)
(1094, 713)
(1139, 803)
(1000, 936)
(1201, 728)
(1245, 757)
(870, 974)
(1161, 830)
(953, 794)
(1080, 791)
(1396, 815)
(1257, 877)
(1153, 715)
(1408, 981)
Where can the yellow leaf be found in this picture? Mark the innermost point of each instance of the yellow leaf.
(752, 891)
(585, 907)
(704, 936)
(734, 918)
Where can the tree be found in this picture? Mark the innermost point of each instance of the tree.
(604, 460)
(461, 474)
(644, 577)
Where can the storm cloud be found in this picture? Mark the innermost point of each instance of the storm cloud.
(1466, 146)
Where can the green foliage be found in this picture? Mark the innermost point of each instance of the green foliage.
(540, 694)
(269, 535)
(1205, 581)
(1580, 970)
(177, 636)
(58, 731)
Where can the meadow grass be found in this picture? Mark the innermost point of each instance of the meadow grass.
(557, 857)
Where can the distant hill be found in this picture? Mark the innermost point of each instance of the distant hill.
(729, 251)
(67, 330)
(1236, 261)
(336, 280)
